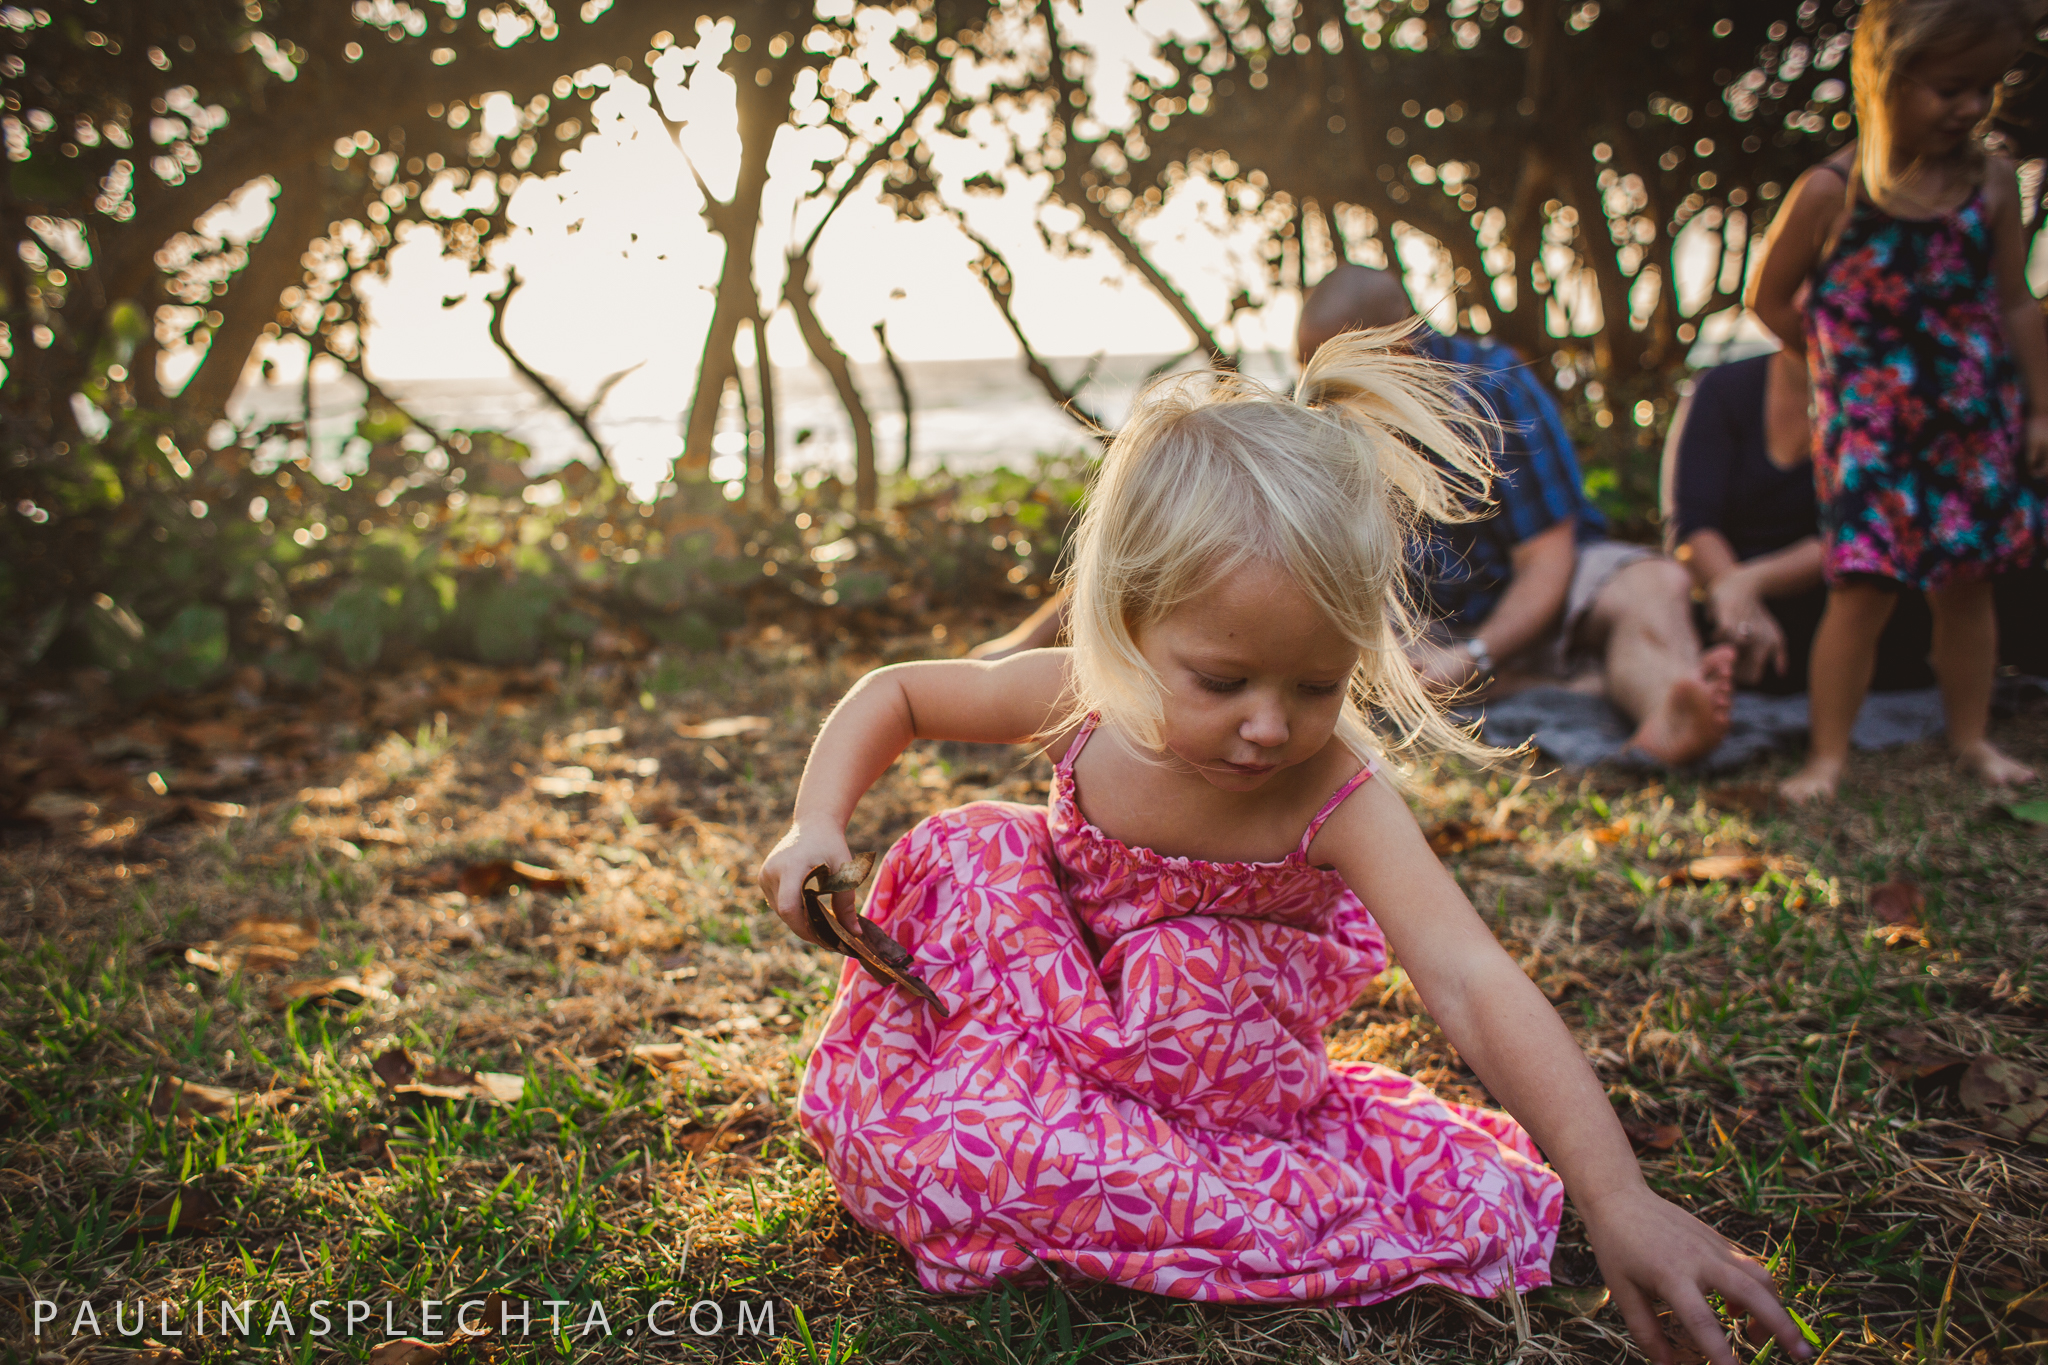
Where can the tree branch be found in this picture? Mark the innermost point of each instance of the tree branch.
(995, 275)
(579, 417)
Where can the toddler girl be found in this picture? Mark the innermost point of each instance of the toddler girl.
(1919, 331)
(1125, 1078)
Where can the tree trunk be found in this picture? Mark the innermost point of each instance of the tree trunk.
(797, 290)
(762, 111)
(298, 215)
(902, 390)
(764, 379)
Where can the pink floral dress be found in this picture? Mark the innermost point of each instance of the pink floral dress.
(1132, 1086)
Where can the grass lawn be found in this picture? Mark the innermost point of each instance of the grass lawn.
(279, 1024)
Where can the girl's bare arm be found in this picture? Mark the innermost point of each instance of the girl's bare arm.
(1513, 1040)
(988, 703)
(1792, 249)
(2025, 335)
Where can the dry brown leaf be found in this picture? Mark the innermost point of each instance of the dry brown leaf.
(294, 935)
(493, 878)
(882, 955)
(1926, 1064)
(375, 1144)
(261, 957)
(408, 1351)
(1726, 867)
(2009, 1099)
(1455, 836)
(1898, 902)
(338, 992)
(725, 727)
(1751, 798)
(1653, 1137)
(662, 1056)
(189, 1100)
(189, 1210)
(398, 1065)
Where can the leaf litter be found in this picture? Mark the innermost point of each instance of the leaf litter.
(1705, 945)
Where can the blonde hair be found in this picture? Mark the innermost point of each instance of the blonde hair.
(1214, 471)
(1892, 36)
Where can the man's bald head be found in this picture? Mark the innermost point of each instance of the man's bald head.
(1349, 298)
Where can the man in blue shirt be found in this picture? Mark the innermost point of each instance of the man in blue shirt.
(1538, 588)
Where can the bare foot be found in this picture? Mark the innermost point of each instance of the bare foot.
(1816, 781)
(1994, 767)
(1693, 716)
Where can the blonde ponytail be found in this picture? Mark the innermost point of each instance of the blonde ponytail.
(1214, 471)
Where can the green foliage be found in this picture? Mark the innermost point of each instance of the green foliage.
(193, 559)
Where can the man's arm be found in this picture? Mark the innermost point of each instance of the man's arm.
(1529, 606)
(1535, 596)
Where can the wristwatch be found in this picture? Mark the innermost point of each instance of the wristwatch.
(1482, 657)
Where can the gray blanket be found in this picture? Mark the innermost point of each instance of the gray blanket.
(1579, 730)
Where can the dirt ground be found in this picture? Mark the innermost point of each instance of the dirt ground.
(457, 980)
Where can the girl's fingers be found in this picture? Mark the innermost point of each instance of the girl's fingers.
(1752, 1289)
(846, 909)
(1642, 1323)
(1706, 1331)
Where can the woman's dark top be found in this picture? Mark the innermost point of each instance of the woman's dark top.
(1725, 481)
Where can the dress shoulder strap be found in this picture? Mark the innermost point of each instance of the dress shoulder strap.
(1080, 740)
(1358, 779)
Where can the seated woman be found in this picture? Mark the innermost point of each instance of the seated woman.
(1745, 527)
(1741, 514)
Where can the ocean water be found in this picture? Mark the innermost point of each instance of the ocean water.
(967, 415)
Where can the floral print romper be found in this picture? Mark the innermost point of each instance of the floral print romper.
(1917, 406)
(1131, 1084)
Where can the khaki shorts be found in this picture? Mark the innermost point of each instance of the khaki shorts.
(1562, 652)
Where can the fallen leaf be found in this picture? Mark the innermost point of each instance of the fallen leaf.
(449, 1083)
(1908, 935)
(1725, 867)
(294, 935)
(1455, 836)
(189, 1210)
(376, 1144)
(2029, 812)
(396, 1066)
(882, 955)
(259, 957)
(1654, 1137)
(1751, 798)
(493, 878)
(1898, 902)
(408, 1351)
(662, 1056)
(1581, 1301)
(2007, 1097)
(1921, 1061)
(189, 1100)
(343, 992)
(569, 781)
(725, 727)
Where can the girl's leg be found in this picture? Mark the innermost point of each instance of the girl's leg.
(1844, 653)
(1966, 661)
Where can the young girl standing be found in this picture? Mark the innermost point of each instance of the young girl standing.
(1919, 332)
(1125, 1077)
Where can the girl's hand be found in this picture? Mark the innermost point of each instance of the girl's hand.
(2037, 445)
(790, 862)
(1741, 619)
(1650, 1249)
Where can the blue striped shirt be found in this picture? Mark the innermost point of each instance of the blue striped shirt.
(1466, 566)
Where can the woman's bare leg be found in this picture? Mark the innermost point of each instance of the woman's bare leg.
(1844, 656)
(1966, 662)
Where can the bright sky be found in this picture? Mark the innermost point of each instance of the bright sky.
(620, 265)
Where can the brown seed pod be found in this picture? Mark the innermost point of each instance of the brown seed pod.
(883, 956)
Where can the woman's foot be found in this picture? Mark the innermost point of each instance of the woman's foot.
(1994, 767)
(1816, 781)
(1693, 716)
